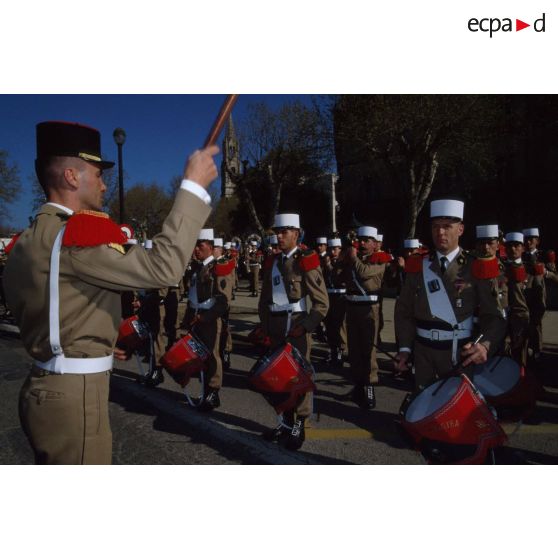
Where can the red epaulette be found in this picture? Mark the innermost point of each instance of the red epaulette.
(224, 268)
(517, 273)
(486, 268)
(380, 257)
(92, 228)
(550, 256)
(268, 262)
(309, 260)
(413, 264)
(11, 244)
(234, 253)
(303, 247)
(538, 268)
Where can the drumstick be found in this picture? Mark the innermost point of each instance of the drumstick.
(456, 368)
(221, 120)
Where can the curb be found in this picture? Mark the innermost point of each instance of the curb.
(250, 444)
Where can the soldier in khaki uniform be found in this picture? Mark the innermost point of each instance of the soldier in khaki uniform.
(536, 292)
(254, 264)
(518, 310)
(363, 275)
(289, 278)
(336, 290)
(209, 299)
(434, 313)
(63, 282)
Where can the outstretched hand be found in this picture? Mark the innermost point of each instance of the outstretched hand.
(201, 167)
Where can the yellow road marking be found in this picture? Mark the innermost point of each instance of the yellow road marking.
(314, 433)
(338, 433)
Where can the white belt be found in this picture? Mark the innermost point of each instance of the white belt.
(205, 305)
(443, 335)
(63, 365)
(299, 306)
(337, 291)
(362, 298)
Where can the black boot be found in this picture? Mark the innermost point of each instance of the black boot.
(276, 434)
(227, 360)
(210, 401)
(296, 436)
(154, 377)
(370, 400)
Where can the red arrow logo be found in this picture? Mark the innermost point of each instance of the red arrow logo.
(519, 25)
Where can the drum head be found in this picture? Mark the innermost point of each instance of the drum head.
(431, 399)
(496, 376)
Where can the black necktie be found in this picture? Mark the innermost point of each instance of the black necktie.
(443, 264)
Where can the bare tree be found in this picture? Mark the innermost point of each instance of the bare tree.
(280, 148)
(10, 184)
(409, 134)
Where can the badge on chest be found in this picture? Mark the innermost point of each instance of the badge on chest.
(434, 285)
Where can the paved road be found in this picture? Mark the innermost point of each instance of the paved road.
(156, 426)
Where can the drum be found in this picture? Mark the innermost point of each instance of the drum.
(450, 422)
(132, 334)
(283, 376)
(185, 358)
(506, 386)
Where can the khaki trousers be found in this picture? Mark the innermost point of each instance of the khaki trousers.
(276, 331)
(336, 336)
(65, 417)
(362, 335)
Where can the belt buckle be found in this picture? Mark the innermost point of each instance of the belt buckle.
(435, 335)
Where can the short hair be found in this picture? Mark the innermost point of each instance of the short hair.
(48, 169)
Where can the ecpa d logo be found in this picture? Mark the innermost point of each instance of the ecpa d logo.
(493, 25)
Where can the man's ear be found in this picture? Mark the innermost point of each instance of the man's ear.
(461, 228)
(71, 177)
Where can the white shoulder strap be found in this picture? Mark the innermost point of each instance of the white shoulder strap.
(278, 286)
(54, 293)
(193, 290)
(438, 299)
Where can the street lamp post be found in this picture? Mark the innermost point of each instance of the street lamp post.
(119, 136)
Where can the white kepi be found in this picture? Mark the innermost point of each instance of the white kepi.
(333, 242)
(380, 237)
(370, 232)
(411, 243)
(321, 240)
(487, 231)
(272, 239)
(531, 232)
(218, 242)
(206, 234)
(286, 221)
(514, 237)
(452, 209)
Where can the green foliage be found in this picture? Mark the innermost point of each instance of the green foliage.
(146, 207)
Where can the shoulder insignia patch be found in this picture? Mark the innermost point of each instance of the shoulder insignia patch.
(117, 247)
(92, 228)
(413, 264)
(309, 260)
(485, 268)
(517, 273)
(224, 267)
(380, 258)
(538, 268)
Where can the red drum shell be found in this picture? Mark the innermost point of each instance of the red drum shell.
(507, 387)
(185, 358)
(282, 371)
(132, 334)
(457, 415)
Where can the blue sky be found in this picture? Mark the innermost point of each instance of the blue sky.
(161, 131)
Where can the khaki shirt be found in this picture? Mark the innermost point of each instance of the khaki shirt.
(91, 279)
(298, 284)
(368, 275)
(466, 294)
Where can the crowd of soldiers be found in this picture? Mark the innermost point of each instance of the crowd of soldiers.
(454, 307)
(335, 291)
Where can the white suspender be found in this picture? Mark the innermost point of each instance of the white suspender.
(59, 363)
(441, 308)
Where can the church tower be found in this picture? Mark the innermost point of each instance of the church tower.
(231, 156)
